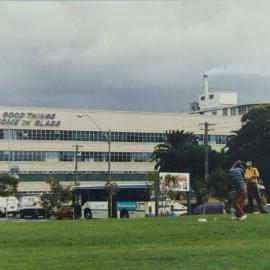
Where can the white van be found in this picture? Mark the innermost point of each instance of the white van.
(9, 204)
(178, 209)
(166, 207)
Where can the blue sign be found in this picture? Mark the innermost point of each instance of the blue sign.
(130, 206)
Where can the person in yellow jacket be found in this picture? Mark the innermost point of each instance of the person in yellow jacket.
(252, 177)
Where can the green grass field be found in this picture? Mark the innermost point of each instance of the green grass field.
(150, 243)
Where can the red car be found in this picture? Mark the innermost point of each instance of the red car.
(65, 212)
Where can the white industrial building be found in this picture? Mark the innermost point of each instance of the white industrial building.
(227, 110)
(40, 143)
(220, 103)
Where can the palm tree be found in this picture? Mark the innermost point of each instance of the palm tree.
(166, 154)
(181, 152)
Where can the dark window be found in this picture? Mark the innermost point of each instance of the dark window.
(233, 111)
(66, 135)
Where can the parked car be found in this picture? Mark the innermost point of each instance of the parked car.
(209, 209)
(65, 212)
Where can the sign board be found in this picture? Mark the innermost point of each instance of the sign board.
(174, 181)
(130, 206)
(18, 118)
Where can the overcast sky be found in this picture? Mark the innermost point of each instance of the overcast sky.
(132, 55)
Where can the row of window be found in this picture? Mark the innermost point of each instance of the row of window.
(74, 135)
(74, 172)
(239, 110)
(70, 156)
(69, 135)
(215, 139)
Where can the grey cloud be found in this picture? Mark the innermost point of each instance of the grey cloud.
(131, 55)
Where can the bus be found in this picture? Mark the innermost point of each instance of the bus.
(129, 201)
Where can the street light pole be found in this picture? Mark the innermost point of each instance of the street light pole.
(9, 150)
(107, 135)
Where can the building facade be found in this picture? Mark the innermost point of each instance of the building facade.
(39, 144)
(236, 110)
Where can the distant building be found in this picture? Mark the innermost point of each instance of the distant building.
(39, 144)
(219, 103)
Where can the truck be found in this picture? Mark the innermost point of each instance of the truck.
(30, 206)
(8, 206)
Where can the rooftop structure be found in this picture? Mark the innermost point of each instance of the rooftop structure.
(219, 103)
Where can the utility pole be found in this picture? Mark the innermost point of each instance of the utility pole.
(77, 209)
(206, 129)
(108, 137)
(76, 163)
(112, 188)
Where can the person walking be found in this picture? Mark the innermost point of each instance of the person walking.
(236, 175)
(252, 178)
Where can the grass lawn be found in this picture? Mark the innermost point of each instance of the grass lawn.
(149, 243)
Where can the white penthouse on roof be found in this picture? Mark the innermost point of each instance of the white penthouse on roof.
(217, 98)
(219, 103)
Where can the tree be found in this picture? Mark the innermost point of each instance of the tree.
(112, 189)
(166, 154)
(57, 196)
(45, 199)
(220, 186)
(181, 152)
(153, 179)
(8, 185)
(251, 142)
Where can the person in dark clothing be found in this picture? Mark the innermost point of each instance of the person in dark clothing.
(236, 174)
